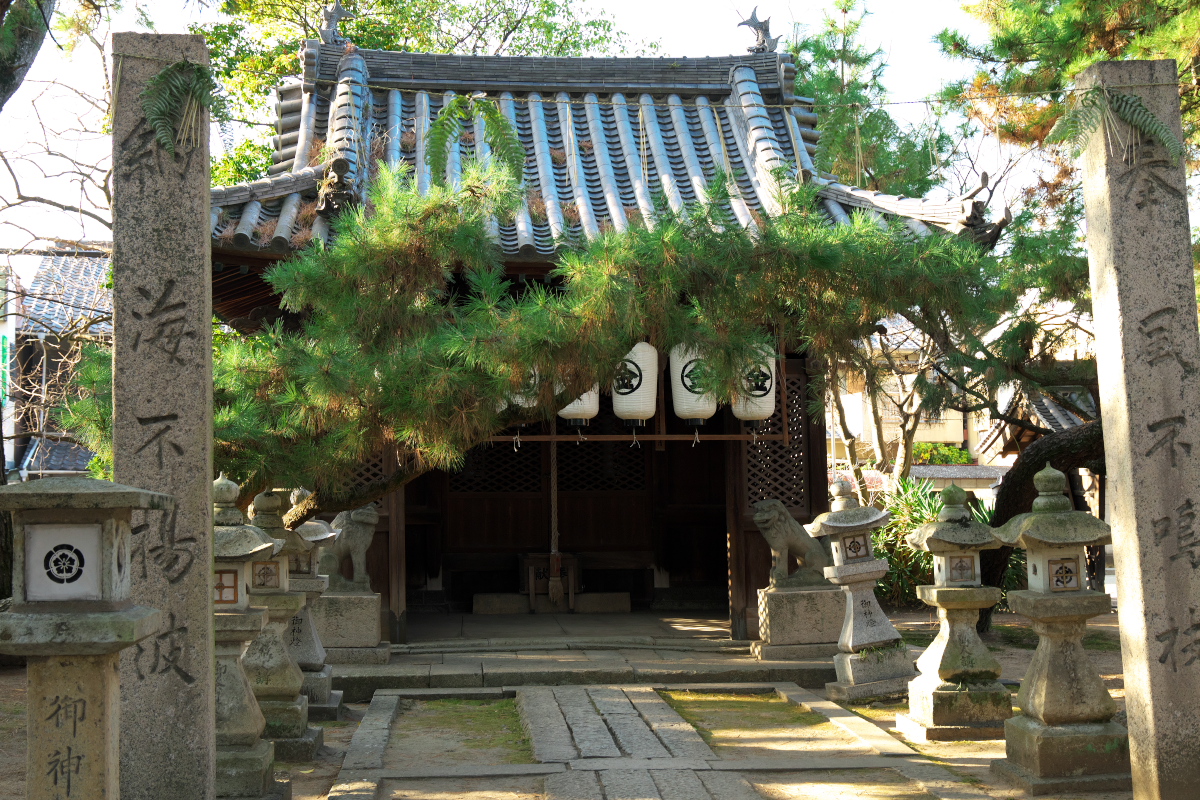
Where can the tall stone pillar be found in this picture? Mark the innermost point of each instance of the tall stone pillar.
(1148, 354)
(162, 427)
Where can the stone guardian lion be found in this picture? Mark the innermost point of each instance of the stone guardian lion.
(786, 537)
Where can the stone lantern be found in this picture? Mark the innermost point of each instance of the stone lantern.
(276, 677)
(957, 695)
(873, 659)
(1064, 739)
(245, 761)
(71, 617)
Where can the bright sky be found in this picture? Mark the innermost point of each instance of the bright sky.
(904, 30)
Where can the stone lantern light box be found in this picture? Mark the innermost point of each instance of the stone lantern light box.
(1055, 537)
(238, 550)
(72, 539)
(955, 546)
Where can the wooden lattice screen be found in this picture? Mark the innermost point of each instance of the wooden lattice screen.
(500, 468)
(778, 470)
(601, 466)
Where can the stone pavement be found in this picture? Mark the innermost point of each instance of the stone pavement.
(624, 742)
(474, 651)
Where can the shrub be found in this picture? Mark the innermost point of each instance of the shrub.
(912, 503)
(938, 453)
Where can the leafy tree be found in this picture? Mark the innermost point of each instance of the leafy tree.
(23, 28)
(257, 46)
(404, 332)
(245, 162)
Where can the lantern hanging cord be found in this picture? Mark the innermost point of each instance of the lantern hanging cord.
(635, 442)
(582, 438)
(696, 437)
(517, 441)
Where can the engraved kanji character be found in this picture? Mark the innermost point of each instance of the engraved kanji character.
(1171, 427)
(169, 323)
(63, 766)
(67, 710)
(1158, 328)
(159, 437)
(163, 653)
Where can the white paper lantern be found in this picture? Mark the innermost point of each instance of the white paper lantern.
(691, 404)
(587, 406)
(758, 383)
(635, 389)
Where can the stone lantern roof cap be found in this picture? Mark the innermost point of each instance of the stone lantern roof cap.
(1053, 521)
(316, 532)
(955, 529)
(847, 515)
(242, 543)
(79, 492)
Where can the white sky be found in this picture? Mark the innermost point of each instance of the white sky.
(904, 30)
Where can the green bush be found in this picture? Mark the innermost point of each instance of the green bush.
(937, 453)
(912, 503)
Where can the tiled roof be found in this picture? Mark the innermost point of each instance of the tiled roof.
(956, 471)
(57, 456)
(604, 138)
(66, 290)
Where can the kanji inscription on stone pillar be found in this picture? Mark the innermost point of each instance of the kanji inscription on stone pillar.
(162, 428)
(1148, 350)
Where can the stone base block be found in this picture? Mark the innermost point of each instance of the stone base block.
(885, 663)
(915, 731)
(331, 710)
(286, 719)
(317, 685)
(1066, 751)
(379, 654)
(587, 603)
(1031, 784)
(301, 749)
(246, 771)
(800, 616)
(793, 652)
(347, 620)
(841, 692)
(934, 703)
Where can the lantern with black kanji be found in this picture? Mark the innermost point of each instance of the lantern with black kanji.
(635, 388)
(758, 384)
(692, 404)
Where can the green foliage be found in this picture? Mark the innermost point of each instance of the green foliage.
(89, 414)
(1093, 109)
(499, 133)
(912, 503)
(174, 101)
(245, 162)
(860, 141)
(938, 453)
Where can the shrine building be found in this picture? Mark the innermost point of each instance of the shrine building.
(665, 522)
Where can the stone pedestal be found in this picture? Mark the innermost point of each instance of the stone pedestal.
(1064, 740)
(957, 695)
(277, 680)
(874, 660)
(799, 623)
(245, 761)
(304, 643)
(348, 624)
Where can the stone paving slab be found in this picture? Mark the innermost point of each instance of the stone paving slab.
(603, 764)
(864, 730)
(573, 786)
(728, 786)
(635, 737)
(545, 725)
(631, 784)
(678, 784)
(443, 676)
(588, 730)
(457, 693)
(677, 735)
(369, 742)
(538, 674)
(610, 700)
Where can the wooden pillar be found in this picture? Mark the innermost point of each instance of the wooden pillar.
(736, 540)
(397, 567)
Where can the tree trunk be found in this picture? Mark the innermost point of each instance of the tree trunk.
(22, 31)
(6, 532)
(860, 484)
(904, 447)
(1067, 451)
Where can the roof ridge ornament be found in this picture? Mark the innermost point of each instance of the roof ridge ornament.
(764, 43)
(331, 17)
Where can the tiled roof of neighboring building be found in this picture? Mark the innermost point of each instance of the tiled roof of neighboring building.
(66, 291)
(56, 456)
(956, 471)
(604, 139)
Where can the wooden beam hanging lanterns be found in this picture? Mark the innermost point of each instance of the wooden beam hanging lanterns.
(635, 389)
(582, 410)
(758, 382)
(692, 404)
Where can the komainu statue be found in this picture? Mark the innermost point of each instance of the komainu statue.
(786, 537)
(357, 529)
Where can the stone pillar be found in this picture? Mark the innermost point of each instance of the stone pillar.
(71, 617)
(873, 659)
(162, 426)
(957, 695)
(303, 640)
(1148, 359)
(348, 615)
(274, 674)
